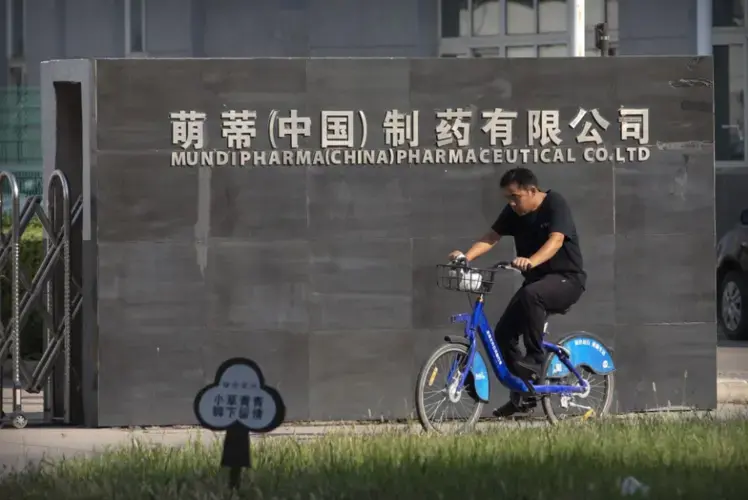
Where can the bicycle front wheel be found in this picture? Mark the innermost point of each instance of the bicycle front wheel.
(440, 406)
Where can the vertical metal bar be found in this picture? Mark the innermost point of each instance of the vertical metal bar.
(576, 28)
(49, 325)
(14, 241)
(704, 27)
(601, 31)
(51, 207)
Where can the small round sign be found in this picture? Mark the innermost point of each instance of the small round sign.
(238, 402)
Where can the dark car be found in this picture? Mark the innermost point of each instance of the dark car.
(732, 281)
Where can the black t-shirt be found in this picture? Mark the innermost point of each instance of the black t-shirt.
(531, 231)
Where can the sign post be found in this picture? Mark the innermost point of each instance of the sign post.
(577, 28)
(238, 402)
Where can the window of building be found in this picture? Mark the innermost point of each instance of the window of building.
(135, 42)
(594, 12)
(455, 17)
(520, 17)
(552, 16)
(486, 52)
(729, 102)
(522, 51)
(728, 13)
(16, 28)
(517, 28)
(559, 50)
(486, 17)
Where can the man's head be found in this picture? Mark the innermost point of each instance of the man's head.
(521, 190)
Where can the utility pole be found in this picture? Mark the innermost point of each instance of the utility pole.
(602, 39)
(576, 28)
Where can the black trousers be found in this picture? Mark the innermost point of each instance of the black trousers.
(525, 316)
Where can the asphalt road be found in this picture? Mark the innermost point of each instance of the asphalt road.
(732, 359)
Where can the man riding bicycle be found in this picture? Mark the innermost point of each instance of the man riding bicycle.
(548, 254)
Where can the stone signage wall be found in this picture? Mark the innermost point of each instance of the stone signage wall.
(292, 211)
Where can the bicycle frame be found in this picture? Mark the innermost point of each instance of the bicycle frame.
(477, 321)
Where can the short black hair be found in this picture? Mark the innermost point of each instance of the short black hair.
(521, 176)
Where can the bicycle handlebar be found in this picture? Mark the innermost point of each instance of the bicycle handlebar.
(506, 265)
(502, 264)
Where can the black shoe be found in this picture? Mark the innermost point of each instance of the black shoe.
(513, 408)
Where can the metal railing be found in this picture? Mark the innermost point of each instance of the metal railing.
(20, 126)
(57, 301)
(30, 184)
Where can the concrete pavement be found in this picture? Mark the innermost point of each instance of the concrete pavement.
(19, 448)
(732, 371)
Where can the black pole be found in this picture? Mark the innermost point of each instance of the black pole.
(235, 477)
(602, 39)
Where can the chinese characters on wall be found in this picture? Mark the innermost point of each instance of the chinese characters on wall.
(341, 138)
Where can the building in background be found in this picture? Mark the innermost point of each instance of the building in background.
(37, 30)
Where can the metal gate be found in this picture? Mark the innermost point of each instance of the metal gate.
(50, 290)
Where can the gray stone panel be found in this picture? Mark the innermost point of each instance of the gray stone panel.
(149, 376)
(665, 365)
(360, 283)
(259, 85)
(140, 200)
(673, 193)
(680, 108)
(325, 275)
(369, 86)
(453, 201)
(134, 101)
(588, 189)
(365, 266)
(262, 204)
(148, 284)
(352, 311)
(664, 279)
(358, 202)
(361, 375)
(598, 303)
(255, 286)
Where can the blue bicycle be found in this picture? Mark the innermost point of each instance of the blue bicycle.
(576, 380)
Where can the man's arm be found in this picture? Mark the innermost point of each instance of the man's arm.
(548, 250)
(501, 227)
(483, 245)
(560, 228)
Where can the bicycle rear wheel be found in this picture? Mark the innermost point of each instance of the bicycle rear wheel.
(439, 406)
(596, 402)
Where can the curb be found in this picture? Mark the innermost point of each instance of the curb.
(732, 390)
(729, 390)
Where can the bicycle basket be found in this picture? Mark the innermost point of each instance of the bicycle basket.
(458, 278)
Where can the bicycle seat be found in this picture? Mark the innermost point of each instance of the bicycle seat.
(559, 312)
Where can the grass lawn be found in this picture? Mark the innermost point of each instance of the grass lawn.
(697, 458)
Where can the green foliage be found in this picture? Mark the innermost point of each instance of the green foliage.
(677, 458)
(31, 256)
